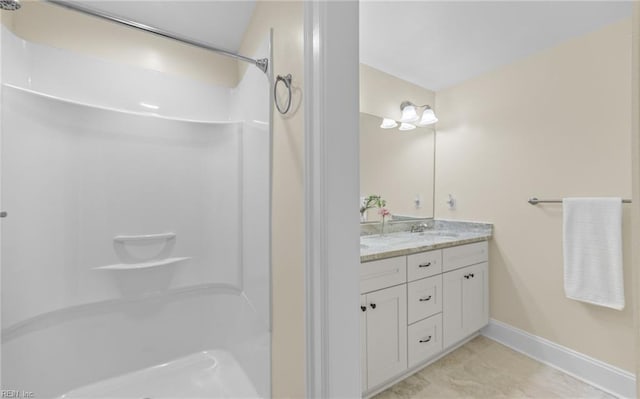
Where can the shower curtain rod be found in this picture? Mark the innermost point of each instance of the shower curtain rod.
(262, 63)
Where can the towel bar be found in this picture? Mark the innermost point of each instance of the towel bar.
(536, 201)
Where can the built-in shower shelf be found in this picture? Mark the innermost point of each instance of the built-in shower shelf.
(143, 265)
(145, 237)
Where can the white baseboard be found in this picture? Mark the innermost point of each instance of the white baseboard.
(604, 376)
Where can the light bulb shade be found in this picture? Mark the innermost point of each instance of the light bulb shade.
(388, 123)
(428, 117)
(407, 126)
(409, 114)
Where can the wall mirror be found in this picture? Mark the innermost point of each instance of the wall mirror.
(398, 166)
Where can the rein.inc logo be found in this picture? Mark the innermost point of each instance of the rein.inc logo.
(16, 394)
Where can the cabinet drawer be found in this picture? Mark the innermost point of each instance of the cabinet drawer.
(383, 273)
(424, 339)
(424, 298)
(424, 264)
(464, 255)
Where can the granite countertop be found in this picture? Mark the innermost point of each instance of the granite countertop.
(443, 234)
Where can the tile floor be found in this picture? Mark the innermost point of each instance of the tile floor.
(483, 368)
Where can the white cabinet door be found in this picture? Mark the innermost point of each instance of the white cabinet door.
(386, 334)
(465, 303)
(363, 341)
(475, 298)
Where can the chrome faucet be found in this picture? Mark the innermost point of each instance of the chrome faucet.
(419, 228)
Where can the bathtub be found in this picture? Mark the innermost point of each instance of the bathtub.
(200, 342)
(209, 374)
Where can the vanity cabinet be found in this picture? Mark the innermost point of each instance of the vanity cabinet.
(414, 307)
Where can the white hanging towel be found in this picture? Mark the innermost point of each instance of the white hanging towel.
(592, 241)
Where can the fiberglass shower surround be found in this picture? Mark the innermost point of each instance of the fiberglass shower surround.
(135, 254)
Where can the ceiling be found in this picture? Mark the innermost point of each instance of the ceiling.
(218, 23)
(439, 44)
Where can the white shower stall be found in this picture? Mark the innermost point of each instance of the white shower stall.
(135, 253)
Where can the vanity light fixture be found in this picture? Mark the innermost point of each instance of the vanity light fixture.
(428, 117)
(406, 126)
(388, 123)
(410, 115)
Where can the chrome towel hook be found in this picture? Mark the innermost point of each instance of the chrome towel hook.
(287, 83)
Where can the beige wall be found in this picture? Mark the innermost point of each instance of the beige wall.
(288, 361)
(556, 124)
(397, 165)
(635, 150)
(63, 28)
